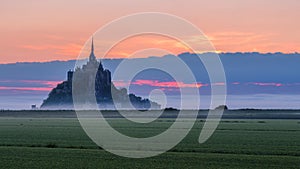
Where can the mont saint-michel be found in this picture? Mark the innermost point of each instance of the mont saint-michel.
(106, 94)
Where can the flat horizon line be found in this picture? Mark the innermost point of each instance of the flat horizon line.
(108, 110)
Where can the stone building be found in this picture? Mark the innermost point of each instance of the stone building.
(106, 94)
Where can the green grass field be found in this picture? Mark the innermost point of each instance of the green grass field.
(61, 143)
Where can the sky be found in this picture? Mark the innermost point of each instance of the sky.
(38, 31)
(51, 30)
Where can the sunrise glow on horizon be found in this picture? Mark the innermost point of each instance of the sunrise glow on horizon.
(34, 31)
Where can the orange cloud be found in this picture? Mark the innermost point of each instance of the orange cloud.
(133, 44)
(26, 88)
(27, 85)
(69, 49)
(233, 41)
(43, 82)
(156, 83)
(250, 42)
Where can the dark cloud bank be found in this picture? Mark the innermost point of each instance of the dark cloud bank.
(246, 73)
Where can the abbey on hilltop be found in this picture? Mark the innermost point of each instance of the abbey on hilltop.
(106, 94)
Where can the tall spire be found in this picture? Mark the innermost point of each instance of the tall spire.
(92, 49)
(92, 55)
